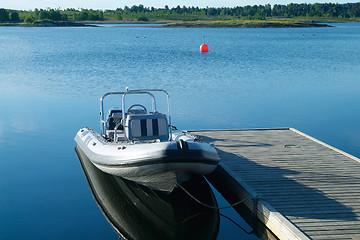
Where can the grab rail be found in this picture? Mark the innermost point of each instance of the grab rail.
(102, 119)
(141, 91)
(115, 131)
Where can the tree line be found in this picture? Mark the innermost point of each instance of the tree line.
(142, 13)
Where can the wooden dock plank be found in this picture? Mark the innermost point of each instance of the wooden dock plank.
(308, 189)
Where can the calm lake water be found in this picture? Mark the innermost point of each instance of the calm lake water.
(51, 80)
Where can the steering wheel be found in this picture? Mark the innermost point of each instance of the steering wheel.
(137, 105)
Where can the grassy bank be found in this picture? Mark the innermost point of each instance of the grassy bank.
(284, 23)
(46, 23)
(235, 23)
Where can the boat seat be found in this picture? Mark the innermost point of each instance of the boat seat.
(147, 126)
(115, 117)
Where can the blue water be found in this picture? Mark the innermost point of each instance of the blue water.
(51, 80)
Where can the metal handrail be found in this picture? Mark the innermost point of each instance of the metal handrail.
(102, 119)
(115, 131)
(141, 91)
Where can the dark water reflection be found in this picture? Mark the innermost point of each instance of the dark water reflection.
(136, 212)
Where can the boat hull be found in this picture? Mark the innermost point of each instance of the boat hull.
(136, 212)
(151, 164)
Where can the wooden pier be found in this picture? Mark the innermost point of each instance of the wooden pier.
(299, 187)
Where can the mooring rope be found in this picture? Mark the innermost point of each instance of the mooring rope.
(236, 224)
(221, 215)
(209, 206)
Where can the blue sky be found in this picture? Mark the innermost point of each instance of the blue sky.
(113, 4)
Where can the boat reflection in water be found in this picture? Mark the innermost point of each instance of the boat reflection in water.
(137, 212)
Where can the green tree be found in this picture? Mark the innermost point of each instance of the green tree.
(55, 15)
(36, 12)
(212, 11)
(44, 15)
(144, 19)
(356, 10)
(29, 19)
(14, 16)
(119, 16)
(94, 17)
(350, 10)
(83, 16)
(4, 15)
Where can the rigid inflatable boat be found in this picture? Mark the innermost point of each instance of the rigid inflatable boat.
(143, 146)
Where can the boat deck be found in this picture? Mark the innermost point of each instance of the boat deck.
(301, 188)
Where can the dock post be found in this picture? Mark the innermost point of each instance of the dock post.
(254, 207)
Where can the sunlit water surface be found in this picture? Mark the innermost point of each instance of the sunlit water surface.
(51, 80)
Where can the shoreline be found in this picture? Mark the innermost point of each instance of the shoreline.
(260, 24)
(181, 24)
(47, 23)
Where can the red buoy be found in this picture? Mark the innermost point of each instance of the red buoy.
(204, 48)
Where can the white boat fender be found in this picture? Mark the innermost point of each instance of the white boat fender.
(182, 146)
